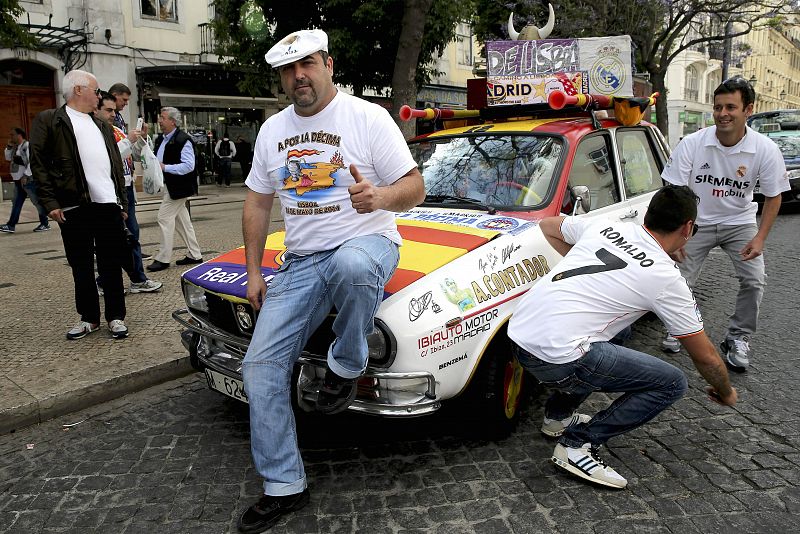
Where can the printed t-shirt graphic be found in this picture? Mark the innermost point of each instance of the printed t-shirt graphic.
(306, 160)
(724, 177)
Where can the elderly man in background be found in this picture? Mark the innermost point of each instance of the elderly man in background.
(78, 169)
(175, 151)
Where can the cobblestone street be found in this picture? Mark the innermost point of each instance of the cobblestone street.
(175, 457)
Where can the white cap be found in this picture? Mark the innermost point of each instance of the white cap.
(296, 46)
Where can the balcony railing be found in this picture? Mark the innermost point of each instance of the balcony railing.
(692, 95)
(208, 41)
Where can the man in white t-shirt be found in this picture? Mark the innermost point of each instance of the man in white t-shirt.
(78, 171)
(722, 165)
(340, 167)
(612, 274)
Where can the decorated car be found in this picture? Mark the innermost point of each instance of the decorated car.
(469, 252)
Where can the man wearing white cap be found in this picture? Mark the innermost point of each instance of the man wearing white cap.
(340, 167)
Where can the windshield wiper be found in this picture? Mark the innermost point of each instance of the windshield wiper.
(491, 210)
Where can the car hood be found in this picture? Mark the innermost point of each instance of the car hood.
(432, 238)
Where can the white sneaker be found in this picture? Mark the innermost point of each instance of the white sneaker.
(101, 292)
(148, 286)
(82, 329)
(118, 329)
(585, 463)
(670, 344)
(555, 427)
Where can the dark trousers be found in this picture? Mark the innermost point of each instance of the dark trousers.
(224, 171)
(245, 168)
(96, 228)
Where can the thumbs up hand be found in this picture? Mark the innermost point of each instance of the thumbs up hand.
(364, 196)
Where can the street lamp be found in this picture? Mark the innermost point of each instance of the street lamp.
(753, 80)
(783, 94)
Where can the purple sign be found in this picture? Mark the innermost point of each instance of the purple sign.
(530, 58)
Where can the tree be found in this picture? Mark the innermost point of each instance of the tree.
(660, 29)
(12, 34)
(365, 39)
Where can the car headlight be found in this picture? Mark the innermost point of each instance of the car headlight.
(195, 297)
(381, 345)
(794, 174)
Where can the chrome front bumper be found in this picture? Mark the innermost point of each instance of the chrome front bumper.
(224, 352)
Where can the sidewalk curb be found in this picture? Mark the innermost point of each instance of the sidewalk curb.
(38, 411)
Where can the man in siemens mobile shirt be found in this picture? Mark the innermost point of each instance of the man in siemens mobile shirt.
(78, 170)
(612, 274)
(338, 187)
(722, 165)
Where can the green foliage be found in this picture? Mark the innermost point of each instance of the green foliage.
(363, 34)
(11, 33)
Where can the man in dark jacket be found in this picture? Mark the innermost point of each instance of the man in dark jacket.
(78, 171)
(175, 151)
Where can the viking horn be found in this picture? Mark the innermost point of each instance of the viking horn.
(545, 32)
(511, 31)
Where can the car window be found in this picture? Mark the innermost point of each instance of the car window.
(640, 172)
(593, 168)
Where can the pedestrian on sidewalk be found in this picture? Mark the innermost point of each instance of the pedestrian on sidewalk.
(722, 164)
(244, 155)
(612, 274)
(17, 152)
(78, 169)
(342, 255)
(128, 146)
(175, 150)
(225, 151)
(122, 94)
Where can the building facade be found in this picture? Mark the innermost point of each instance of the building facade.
(161, 49)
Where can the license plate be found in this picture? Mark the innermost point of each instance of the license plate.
(226, 385)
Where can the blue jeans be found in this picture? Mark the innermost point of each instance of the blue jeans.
(224, 171)
(20, 194)
(649, 384)
(136, 272)
(351, 278)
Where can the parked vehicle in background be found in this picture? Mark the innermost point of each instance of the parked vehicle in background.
(783, 127)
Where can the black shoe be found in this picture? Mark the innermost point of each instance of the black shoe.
(336, 393)
(269, 509)
(158, 266)
(188, 261)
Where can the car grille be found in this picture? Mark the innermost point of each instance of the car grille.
(227, 316)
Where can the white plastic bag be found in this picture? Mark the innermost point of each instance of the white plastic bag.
(152, 176)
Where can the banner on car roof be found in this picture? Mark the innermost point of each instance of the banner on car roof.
(526, 72)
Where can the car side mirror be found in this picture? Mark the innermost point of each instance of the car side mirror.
(581, 199)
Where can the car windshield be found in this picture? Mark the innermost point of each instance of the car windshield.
(789, 145)
(775, 121)
(498, 171)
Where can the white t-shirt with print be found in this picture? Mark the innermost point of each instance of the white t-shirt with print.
(614, 274)
(307, 160)
(94, 157)
(724, 177)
